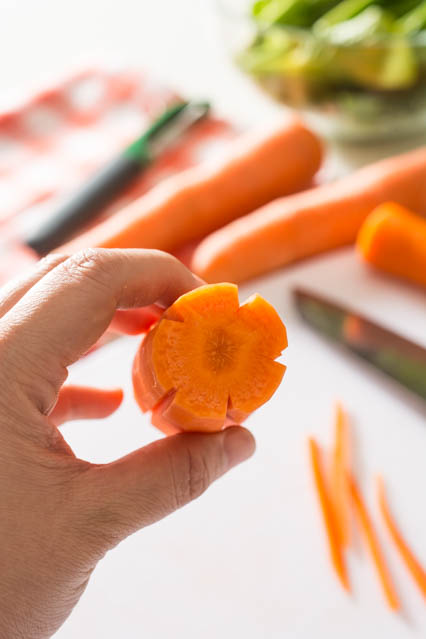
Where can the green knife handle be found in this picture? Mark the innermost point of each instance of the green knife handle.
(101, 189)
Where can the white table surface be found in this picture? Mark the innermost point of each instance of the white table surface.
(249, 558)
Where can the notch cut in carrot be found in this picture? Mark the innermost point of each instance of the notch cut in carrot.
(373, 544)
(407, 556)
(209, 362)
(327, 510)
(339, 472)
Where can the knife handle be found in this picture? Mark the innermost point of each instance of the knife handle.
(87, 203)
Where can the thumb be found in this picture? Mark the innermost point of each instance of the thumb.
(152, 482)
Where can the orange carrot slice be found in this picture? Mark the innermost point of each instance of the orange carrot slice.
(373, 544)
(340, 468)
(209, 362)
(328, 514)
(408, 557)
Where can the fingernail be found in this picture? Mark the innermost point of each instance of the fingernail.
(239, 445)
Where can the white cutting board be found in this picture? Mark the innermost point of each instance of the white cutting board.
(249, 558)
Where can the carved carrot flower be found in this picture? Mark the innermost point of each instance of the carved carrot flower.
(209, 362)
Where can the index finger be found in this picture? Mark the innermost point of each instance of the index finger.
(67, 311)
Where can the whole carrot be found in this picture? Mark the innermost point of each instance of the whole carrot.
(308, 223)
(394, 240)
(259, 167)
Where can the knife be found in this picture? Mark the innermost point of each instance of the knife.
(89, 200)
(394, 355)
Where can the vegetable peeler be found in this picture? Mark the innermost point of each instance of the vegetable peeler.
(117, 175)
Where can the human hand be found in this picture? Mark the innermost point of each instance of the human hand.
(58, 514)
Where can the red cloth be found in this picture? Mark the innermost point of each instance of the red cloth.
(52, 141)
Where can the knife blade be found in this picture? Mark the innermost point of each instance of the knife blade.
(394, 355)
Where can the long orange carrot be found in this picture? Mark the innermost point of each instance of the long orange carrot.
(394, 240)
(330, 523)
(373, 544)
(339, 471)
(259, 168)
(308, 223)
(408, 557)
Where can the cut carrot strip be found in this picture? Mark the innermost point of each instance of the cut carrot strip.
(374, 545)
(339, 471)
(408, 557)
(328, 515)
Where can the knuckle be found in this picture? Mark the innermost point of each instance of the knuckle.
(86, 259)
(49, 262)
(197, 475)
(90, 263)
(99, 531)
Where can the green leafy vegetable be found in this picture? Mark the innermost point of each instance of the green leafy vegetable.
(413, 21)
(300, 13)
(341, 13)
(364, 26)
(365, 55)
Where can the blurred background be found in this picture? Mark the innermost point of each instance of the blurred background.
(250, 558)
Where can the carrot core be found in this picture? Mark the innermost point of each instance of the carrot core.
(220, 350)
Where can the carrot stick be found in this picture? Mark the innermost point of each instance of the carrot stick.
(311, 222)
(340, 468)
(260, 167)
(328, 514)
(394, 240)
(373, 544)
(408, 557)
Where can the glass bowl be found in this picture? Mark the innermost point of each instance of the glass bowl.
(362, 91)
